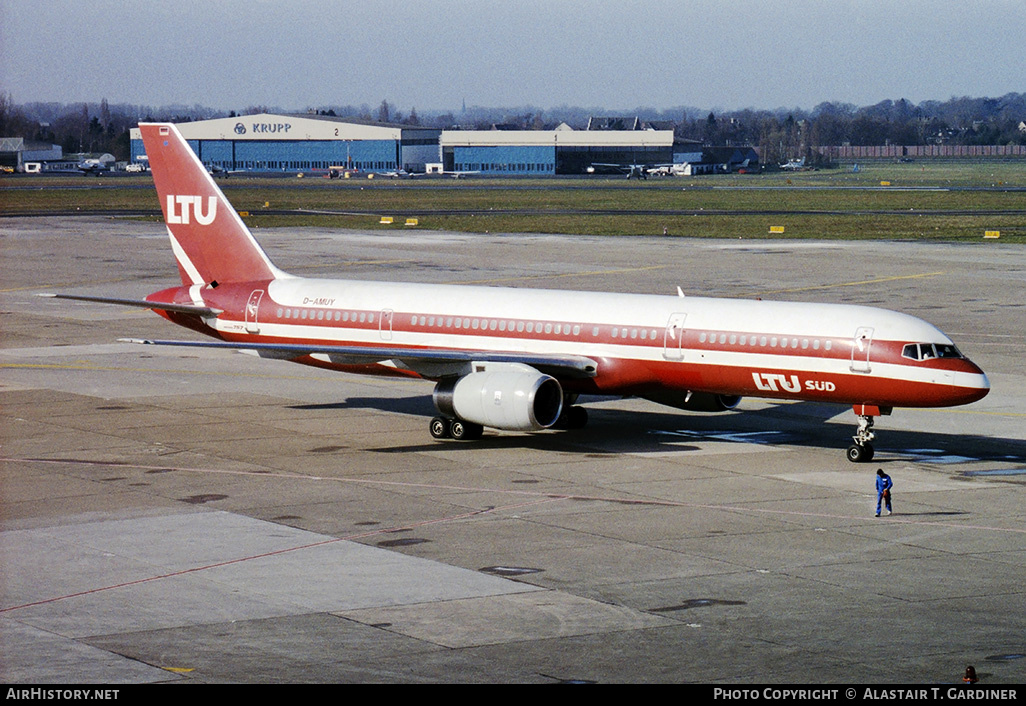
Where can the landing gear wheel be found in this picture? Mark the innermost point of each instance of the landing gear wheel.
(465, 431)
(440, 428)
(860, 453)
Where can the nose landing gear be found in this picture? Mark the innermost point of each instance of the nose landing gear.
(862, 450)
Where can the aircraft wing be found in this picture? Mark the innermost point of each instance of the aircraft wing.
(197, 309)
(428, 362)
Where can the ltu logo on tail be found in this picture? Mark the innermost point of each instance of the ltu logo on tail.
(179, 207)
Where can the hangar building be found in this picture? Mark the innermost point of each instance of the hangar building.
(305, 143)
(540, 152)
(298, 143)
(15, 152)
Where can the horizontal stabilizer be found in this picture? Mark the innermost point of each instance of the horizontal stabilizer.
(156, 306)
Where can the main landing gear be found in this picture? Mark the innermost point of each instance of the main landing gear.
(572, 417)
(445, 428)
(862, 450)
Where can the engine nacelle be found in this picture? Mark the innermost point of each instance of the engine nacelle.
(697, 401)
(507, 396)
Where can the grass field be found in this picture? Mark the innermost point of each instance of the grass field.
(939, 201)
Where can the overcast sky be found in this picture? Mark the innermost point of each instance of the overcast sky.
(434, 54)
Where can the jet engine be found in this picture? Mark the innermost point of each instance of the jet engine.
(507, 396)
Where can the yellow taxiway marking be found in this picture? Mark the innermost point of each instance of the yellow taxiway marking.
(854, 284)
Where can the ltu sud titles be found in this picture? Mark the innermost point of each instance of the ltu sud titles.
(934, 693)
(768, 381)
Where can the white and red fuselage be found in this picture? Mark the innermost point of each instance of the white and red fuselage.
(494, 350)
(644, 345)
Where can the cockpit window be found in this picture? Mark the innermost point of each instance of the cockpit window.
(927, 351)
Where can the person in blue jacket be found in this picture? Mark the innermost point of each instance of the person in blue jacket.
(883, 490)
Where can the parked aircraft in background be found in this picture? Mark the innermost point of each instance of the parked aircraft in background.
(217, 171)
(639, 171)
(400, 174)
(793, 165)
(455, 174)
(518, 359)
(633, 171)
(680, 169)
(93, 167)
(341, 172)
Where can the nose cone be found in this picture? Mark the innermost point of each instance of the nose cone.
(973, 381)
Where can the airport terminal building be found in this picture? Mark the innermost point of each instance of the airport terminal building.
(312, 143)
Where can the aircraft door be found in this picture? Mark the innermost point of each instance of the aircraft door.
(860, 349)
(252, 310)
(385, 324)
(673, 337)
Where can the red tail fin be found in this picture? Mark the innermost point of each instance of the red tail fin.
(208, 237)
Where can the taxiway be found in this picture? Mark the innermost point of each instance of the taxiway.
(179, 515)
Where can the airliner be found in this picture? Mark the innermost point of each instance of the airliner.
(519, 359)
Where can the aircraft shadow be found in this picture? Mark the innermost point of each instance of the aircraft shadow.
(420, 406)
(804, 424)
